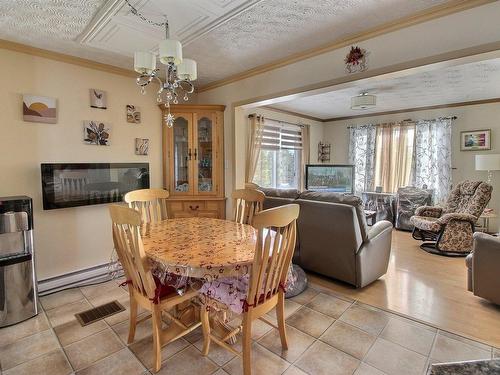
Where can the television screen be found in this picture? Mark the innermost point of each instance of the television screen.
(82, 184)
(333, 178)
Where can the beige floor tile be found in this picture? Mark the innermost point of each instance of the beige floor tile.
(61, 298)
(349, 339)
(85, 352)
(27, 349)
(143, 329)
(290, 308)
(29, 327)
(93, 292)
(188, 362)
(447, 349)
(220, 372)
(322, 359)
(292, 370)
(495, 353)
(328, 305)
(217, 353)
(365, 369)
(394, 359)
(304, 297)
(409, 335)
(298, 342)
(72, 331)
(66, 313)
(53, 363)
(121, 362)
(143, 350)
(263, 362)
(369, 320)
(310, 321)
(465, 340)
(194, 336)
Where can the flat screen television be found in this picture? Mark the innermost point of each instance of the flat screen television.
(82, 184)
(332, 177)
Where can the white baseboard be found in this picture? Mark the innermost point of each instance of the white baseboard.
(90, 275)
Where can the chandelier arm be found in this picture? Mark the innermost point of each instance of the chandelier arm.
(190, 86)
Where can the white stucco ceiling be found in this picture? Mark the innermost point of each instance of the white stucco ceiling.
(225, 36)
(462, 83)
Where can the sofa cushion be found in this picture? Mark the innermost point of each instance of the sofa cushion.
(280, 193)
(342, 198)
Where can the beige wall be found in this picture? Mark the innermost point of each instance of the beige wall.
(410, 47)
(69, 239)
(484, 116)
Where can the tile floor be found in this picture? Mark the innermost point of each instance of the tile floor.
(327, 333)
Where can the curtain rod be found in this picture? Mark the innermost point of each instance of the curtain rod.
(408, 121)
(280, 121)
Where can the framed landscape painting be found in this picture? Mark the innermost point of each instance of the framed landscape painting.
(39, 109)
(475, 140)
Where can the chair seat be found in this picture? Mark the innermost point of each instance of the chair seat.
(230, 291)
(426, 223)
(163, 291)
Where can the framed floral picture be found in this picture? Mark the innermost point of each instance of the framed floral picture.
(96, 133)
(141, 146)
(475, 140)
(133, 114)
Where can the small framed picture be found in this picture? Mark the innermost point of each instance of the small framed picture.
(98, 99)
(133, 114)
(475, 140)
(39, 109)
(141, 146)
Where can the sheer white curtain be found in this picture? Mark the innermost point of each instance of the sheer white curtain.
(433, 156)
(362, 142)
(254, 145)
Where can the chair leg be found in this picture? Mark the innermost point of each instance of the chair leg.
(205, 325)
(156, 319)
(247, 344)
(280, 316)
(133, 320)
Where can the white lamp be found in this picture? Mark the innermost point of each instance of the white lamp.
(170, 51)
(363, 101)
(187, 70)
(144, 62)
(488, 162)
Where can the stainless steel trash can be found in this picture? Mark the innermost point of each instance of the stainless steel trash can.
(18, 287)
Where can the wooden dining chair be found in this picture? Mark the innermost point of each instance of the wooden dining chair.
(266, 282)
(247, 203)
(151, 203)
(146, 290)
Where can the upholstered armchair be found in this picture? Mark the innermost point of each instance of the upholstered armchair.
(482, 267)
(450, 228)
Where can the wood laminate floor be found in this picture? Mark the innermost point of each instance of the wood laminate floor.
(429, 288)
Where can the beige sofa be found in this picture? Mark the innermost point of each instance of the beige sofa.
(483, 266)
(333, 238)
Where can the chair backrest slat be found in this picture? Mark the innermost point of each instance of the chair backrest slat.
(128, 244)
(274, 250)
(247, 203)
(150, 203)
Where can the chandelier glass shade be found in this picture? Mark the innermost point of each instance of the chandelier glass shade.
(179, 72)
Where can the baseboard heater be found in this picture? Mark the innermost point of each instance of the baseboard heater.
(83, 277)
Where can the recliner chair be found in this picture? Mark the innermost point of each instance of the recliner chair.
(451, 227)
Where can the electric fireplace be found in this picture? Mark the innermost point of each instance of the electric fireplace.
(82, 184)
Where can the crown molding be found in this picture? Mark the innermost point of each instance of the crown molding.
(416, 109)
(23, 48)
(291, 113)
(414, 19)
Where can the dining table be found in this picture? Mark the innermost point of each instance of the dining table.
(199, 249)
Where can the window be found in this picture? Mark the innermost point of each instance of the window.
(279, 164)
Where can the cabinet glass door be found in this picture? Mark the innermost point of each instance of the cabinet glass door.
(181, 155)
(204, 153)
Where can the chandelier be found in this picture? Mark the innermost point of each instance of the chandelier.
(179, 72)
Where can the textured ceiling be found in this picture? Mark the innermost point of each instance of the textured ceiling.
(469, 82)
(225, 36)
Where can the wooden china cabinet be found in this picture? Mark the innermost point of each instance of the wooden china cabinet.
(193, 161)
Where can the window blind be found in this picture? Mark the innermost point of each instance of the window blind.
(276, 136)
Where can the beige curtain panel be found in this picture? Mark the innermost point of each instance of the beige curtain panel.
(305, 153)
(394, 155)
(254, 146)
